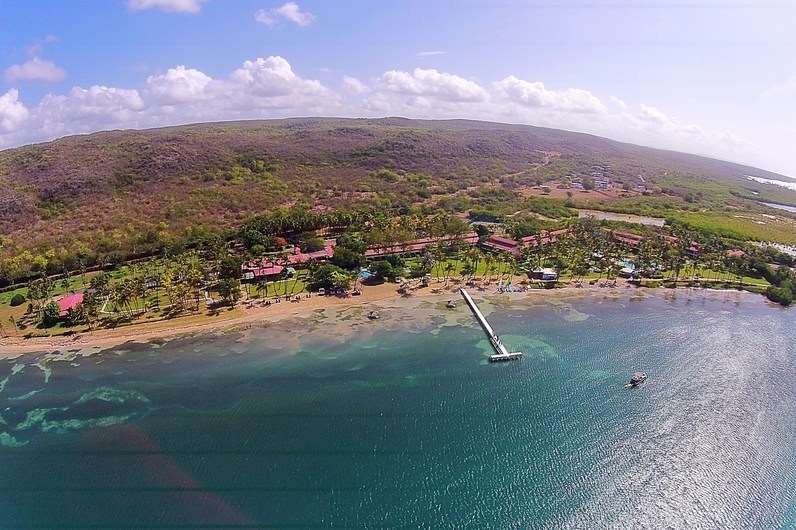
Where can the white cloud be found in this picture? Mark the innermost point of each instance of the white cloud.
(88, 109)
(534, 94)
(619, 103)
(354, 85)
(260, 88)
(178, 85)
(35, 69)
(12, 111)
(169, 6)
(289, 11)
(267, 87)
(431, 53)
(430, 83)
(781, 90)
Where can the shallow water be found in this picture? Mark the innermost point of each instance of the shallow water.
(402, 422)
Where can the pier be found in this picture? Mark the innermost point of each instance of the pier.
(501, 353)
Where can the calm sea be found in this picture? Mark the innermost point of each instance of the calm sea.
(404, 424)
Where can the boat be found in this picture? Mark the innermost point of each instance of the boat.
(373, 315)
(451, 304)
(636, 379)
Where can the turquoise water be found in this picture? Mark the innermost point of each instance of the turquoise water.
(404, 423)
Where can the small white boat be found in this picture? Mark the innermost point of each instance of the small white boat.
(451, 304)
(636, 379)
(373, 315)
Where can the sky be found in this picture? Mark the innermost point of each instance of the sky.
(710, 77)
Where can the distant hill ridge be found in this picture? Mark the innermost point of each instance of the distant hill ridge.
(113, 184)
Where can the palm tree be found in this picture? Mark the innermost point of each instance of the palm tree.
(450, 267)
(489, 262)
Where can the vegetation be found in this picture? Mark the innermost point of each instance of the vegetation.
(93, 202)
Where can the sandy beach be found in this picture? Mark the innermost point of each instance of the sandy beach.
(255, 313)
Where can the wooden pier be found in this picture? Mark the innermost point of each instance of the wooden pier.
(501, 353)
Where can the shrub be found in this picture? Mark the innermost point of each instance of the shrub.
(50, 314)
(17, 300)
(780, 295)
(311, 243)
(383, 270)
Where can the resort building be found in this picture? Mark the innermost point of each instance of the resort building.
(545, 237)
(274, 266)
(505, 244)
(418, 246)
(502, 244)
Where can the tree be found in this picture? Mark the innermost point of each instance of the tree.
(347, 258)
(311, 243)
(329, 276)
(229, 268)
(384, 270)
(50, 314)
(229, 289)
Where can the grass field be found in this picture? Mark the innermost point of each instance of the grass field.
(743, 226)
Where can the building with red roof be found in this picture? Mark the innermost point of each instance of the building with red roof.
(418, 245)
(503, 244)
(67, 302)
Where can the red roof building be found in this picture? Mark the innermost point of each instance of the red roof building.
(503, 244)
(418, 245)
(628, 238)
(299, 257)
(70, 301)
(545, 237)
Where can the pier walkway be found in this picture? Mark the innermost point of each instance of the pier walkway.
(501, 353)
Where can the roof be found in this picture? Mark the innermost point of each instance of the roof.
(502, 243)
(417, 245)
(300, 257)
(545, 237)
(70, 301)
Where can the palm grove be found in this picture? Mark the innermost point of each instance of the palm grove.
(182, 275)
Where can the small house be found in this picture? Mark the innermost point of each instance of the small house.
(545, 275)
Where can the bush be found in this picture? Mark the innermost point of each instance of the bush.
(347, 258)
(311, 243)
(329, 277)
(383, 270)
(50, 314)
(780, 295)
(18, 299)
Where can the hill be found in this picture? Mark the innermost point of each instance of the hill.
(120, 191)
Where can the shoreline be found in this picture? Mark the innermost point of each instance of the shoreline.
(245, 315)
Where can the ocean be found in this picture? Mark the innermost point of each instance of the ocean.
(337, 421)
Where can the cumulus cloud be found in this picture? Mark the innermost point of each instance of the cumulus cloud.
(169, 6)
(88, 109)
(259, 88)
(289, 11)
(266, 87)
(430, 83)
(354, 85)
(178, 85)
(12, 111)
(534, 94)
(35, 69)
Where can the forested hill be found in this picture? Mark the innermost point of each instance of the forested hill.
(126, 191)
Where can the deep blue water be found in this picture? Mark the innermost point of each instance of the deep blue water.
(404, 424)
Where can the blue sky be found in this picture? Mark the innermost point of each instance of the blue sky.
(710, 77)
